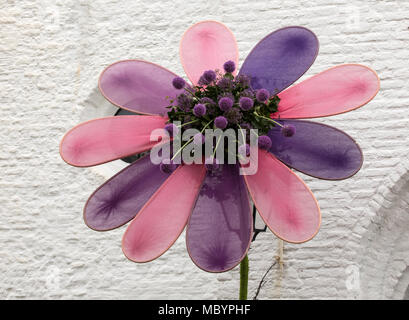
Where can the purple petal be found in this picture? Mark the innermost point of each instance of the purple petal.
(318, 150)
(138, 86)
(219, 230)
(281, 58)
(119, 199)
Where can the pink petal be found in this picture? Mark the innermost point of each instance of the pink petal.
(101, 140)
(336, 90)
(207, 45)
(285, 203)
(163, 218)
(138, 86)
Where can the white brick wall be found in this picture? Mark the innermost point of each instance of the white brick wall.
(52, 53)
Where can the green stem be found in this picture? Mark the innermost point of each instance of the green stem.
(181, 149)
(244, 278)
(277, 123)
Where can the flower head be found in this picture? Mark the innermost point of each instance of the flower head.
(264, 142)
(233, 115)
(243, 80)
(229, 66)
(184, 102)
(288, 130)
(220, 122)
(178, 83)
(262, 95)
(199, 110)
(246, 103)
(225, 84)
(244, 150)
(225, 103)
(209, 75)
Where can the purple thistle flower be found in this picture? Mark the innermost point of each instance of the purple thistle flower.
(212, 164)
(246, 103)
(229, 66)
(209, 75)
(206, 100)
(225, 103)
(171, 129)
(178, 83)
(198, 139)
(288, 130)
(184, 102)
(202, 81)
(167, 166)
(247, 93)
(199, 110)
(220, 122)
(262, 95)
(244, 150)
(264, 142)
(225, 84)
(233, 115)
(243, 80)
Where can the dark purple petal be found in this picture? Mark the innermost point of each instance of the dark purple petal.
(138, 86)
(219, 230)
(318, 150)
(119, 199)
(281, 58)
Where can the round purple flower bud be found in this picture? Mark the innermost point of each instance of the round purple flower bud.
(246, 103)
(207, 100)
(202, 81)
(171, 129)
(209, 75)
(225, 103)
(247, 93)
(233, 115)
(225, 84)
(264, 142)
(244, 150)
(184, 102)
(220, 122)
(243, 80)
(198, 139)
(178, 83)
(167, 166)
(288, 130)
(212, 164)
(229, 66)
(199, 110)
(262, 95)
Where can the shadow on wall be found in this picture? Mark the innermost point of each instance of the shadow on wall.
(384, 251)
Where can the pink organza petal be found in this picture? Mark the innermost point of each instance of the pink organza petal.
(163, 218)
(106, 139)
(334, 91)
(285, 203)
(207, 45)
(138, 86)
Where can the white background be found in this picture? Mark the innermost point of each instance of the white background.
(51, 54)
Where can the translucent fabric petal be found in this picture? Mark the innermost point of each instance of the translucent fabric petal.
(138, 86)
(163, 218)
(219, 230)
(119, 199)
(207, 45)
(281, 58)
(285, 203)
(106, 139)
(336, 90)
(317, 149)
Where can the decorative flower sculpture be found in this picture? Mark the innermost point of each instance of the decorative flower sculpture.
(212, 199)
